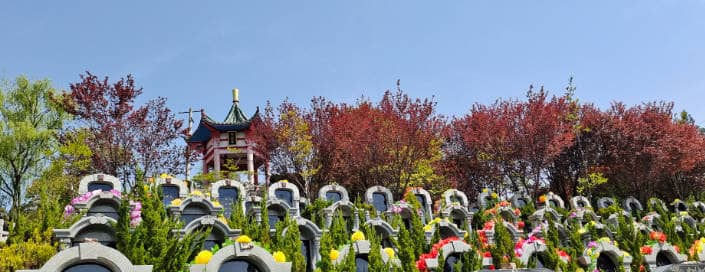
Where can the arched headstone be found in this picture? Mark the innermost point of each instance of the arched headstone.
(379, 197)
(249, 255)
(193, 208)
(384, 230)
(172, 188)
(333, 193)
(310, 242)
(90, 255)
(579, 202)
(605, 202)
(452, 248)
(361, 249)
(520, 200)
(228, 192)
(608, 257)
(451, 196)
(663, 254)
(424, 199)
(286, 193)
(101, 181)
(88, 229)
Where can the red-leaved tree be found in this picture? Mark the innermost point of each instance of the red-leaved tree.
(124, 138)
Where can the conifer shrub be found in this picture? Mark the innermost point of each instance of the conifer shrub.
(153, 241)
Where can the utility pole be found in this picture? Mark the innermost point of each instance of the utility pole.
(188, 154)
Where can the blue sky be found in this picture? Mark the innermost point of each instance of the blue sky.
(462, 52)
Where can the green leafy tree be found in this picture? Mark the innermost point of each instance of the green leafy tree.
(29, 123)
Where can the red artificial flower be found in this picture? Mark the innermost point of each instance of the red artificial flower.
(504, 203)
(488, 225)
(646, 250)
(491, 267)
(487, 254)
(520, 224)
(421, 265)
(678, 250)
(517, 212)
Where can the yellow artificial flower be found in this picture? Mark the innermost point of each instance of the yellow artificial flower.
(175, 202)
(485, 190)
(582, 231)
(333, 254)
(427, 228)
(357, 236)
(222, 219)
(284, 180)
(389, 251)
(203, 257)
(437, 220)
(684, 213)
(164, 175)
(244, 239)
(196, 193)
(216, 204)
(542, 199)
(494, 195)
(279, 256)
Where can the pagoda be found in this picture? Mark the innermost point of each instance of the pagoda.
(228, 143)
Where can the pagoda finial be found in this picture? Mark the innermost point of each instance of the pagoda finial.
(236, 98)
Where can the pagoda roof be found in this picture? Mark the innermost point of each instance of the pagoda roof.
(234, 121)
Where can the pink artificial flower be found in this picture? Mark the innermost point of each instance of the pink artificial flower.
(116, 192)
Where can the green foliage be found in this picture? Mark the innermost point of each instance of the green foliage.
(339, 230)
(375, 256)
(326, 246)
(586, 184)
(29, 245)
(503, 247)
(611, 209)
(153, 241)
(407, 249)
(25, 255)
(441, 261)
(416, 233)
(290, 244)
(630, 240)
(469, 261)
(29, 123)
(259, 231)
(313, 211)
(237, 218)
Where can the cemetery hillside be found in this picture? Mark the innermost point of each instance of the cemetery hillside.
(102, 177)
